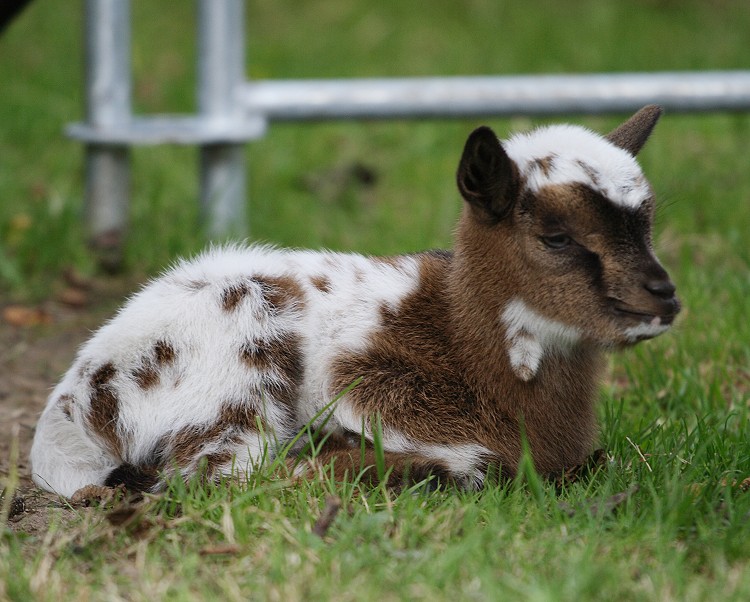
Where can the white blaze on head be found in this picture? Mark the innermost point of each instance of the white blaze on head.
(567, 154)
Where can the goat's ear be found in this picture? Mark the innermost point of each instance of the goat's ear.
(487, 178)
(632, 135)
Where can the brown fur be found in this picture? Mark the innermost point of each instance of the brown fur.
(322, 283)
(164, 353)
(590, 172)
(104, 408)
(279, 292)
(438, 373)
(546, 164)
(188, 445)
(283, 356)
(337, 457)
(195, 285)
(282, 292)
(233, 295)
(148, 373)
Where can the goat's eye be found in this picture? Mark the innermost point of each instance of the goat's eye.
(556, 241)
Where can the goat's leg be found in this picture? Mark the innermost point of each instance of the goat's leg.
(337, 456)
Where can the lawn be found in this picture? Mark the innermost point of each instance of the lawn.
(667, 517)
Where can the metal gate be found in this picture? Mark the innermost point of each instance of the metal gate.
(233, 111)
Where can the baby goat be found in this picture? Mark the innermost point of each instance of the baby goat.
(223, 359)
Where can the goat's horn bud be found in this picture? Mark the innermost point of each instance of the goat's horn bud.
(632, 135)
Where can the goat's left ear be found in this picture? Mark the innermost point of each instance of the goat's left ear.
(487, 178)
(632, 135)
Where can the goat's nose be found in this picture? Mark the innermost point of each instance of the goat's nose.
(661, 287)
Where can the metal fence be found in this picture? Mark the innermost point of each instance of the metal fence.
(233, 111)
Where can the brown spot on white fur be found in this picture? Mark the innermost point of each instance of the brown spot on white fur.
(148, 373)
(233, 294)
(213, 444)
(104, 407)
(257, 354)
(281, 359)
(279, 292)
(164, 353)
(322, 283)
(590, 172)
(66, 402)
(545, 164)
(195, 285)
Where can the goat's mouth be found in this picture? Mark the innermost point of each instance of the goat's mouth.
(646, 317)
(639, 324)
(643, 316)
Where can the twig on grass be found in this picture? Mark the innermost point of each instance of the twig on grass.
(638, 449)
(330, 510)
(219, 550)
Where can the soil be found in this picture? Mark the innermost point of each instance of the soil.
(37, 344)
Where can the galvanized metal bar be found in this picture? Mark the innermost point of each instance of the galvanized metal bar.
(107, 106)
(172, 129)
(263, 101)
(220, 75)
(496, 96)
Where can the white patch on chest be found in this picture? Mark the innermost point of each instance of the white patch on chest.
(566, 154)
(530, 335)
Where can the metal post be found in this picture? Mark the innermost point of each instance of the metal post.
(107, 105)
(221, 68)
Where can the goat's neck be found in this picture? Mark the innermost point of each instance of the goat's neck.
(519, 363)
(494, 326)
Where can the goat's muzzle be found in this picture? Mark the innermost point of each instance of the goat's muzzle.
(649, 310)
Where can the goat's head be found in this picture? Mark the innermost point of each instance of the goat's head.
(569, 215)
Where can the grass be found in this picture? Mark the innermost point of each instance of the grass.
(674, 411)
(681, 536)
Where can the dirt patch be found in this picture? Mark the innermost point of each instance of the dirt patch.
(34, 353)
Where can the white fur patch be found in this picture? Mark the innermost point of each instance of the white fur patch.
(531, 335)
(63, 457)
(466, 461)
(573, 154)
(647, 330)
